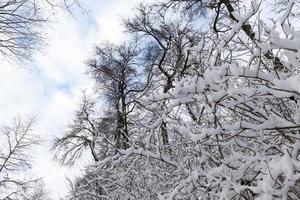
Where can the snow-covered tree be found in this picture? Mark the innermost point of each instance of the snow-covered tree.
(222, 97)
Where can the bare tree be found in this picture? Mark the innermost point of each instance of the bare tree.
(16, 142)
(168, 39)
(81, 134)
(19, 22)
(22, 24)
(115, 70)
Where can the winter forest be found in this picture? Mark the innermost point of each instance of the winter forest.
(199, 101)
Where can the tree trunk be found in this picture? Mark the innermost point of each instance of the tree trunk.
(122, 131)
(163, 126)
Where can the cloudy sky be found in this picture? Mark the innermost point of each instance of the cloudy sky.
(51, 85)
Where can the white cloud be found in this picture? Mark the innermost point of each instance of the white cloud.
(109, 18)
